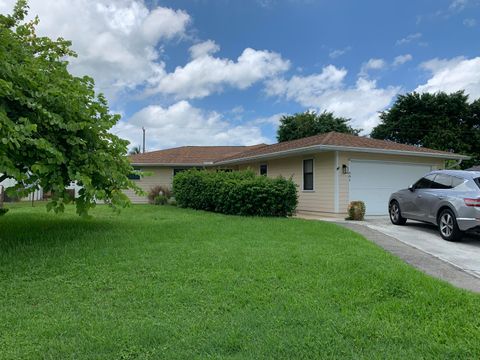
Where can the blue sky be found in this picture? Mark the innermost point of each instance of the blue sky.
(210, 72)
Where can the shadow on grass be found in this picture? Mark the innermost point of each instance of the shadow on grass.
(46, 230)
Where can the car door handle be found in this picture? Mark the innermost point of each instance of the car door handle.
(440, 197)
(419, 196)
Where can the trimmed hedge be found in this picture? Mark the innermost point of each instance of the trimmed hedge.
(235, 193)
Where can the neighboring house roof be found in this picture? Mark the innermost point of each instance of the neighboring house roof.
(332, 141)
(189, 155)
(335, 141)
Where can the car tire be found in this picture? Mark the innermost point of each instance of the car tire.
(448, 227)
(396, 214)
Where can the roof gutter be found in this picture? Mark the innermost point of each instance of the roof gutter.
(314, 148)
(172, 164)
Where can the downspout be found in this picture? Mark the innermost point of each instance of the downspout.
(459, 161)
(336, 190)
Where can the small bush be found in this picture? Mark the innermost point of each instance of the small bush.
(160, 200)
(172, 201)
(356, 210)
(3, 211)
(159, 195)
(235, 193)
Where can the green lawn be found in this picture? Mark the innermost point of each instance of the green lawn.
(163, 282)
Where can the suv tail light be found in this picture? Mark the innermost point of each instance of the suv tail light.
(472, 202)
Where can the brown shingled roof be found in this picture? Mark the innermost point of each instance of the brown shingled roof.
(201, 155)
(336, 139)
(189, 155)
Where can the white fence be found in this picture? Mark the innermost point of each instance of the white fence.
(37, 194)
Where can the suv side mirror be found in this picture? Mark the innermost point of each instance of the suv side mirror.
(411, 188)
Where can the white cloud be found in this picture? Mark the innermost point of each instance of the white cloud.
(451, 75)
(273, 120)
(408, 39)
(372, 64)
(204, 48)
(470, 22)
(238, 110)
(206, 74)
(327, 91)
(339, 52)
(402, 59)
(458, 5)
(119, 44)
(183, 124)
(306, 87)
(116, 40)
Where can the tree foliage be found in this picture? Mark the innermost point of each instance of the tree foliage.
(310, 123)
(438, 121)
(54, 129)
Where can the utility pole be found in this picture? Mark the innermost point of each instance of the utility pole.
(143, 139)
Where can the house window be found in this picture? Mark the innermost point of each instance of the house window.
(134, 176)
(308, 174)
(178, 170)
(263, 169)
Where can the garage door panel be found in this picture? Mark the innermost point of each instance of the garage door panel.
(374, 181)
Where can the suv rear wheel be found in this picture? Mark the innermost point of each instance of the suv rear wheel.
(447, 225)
(395, 214)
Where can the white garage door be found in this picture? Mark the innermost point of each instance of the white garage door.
(374, 181)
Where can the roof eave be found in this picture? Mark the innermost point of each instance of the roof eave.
(313, 148)
(172, 164)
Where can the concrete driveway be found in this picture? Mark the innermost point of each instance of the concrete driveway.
(464, 255)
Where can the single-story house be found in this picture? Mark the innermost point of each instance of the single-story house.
(330, 169)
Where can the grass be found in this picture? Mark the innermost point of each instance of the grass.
(162, 282)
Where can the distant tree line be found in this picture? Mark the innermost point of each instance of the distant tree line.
(440, 121)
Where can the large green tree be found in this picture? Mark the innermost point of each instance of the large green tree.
(310, 123)
(54, 129)
(439, 121)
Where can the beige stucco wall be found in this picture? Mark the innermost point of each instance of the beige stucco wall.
(321, 199)
(346, 157)
(158, 176)
(329, 179)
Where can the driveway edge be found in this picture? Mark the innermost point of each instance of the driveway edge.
(419, 259)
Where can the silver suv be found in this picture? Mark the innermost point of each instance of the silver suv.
(449, 199)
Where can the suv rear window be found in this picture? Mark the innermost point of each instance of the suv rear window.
(457, 181)
(477, 181)
(442, 181)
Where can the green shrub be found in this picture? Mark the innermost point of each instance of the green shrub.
(235, 193)
(159, 195)
(3, 211)
(160, 200)
(356, 210)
